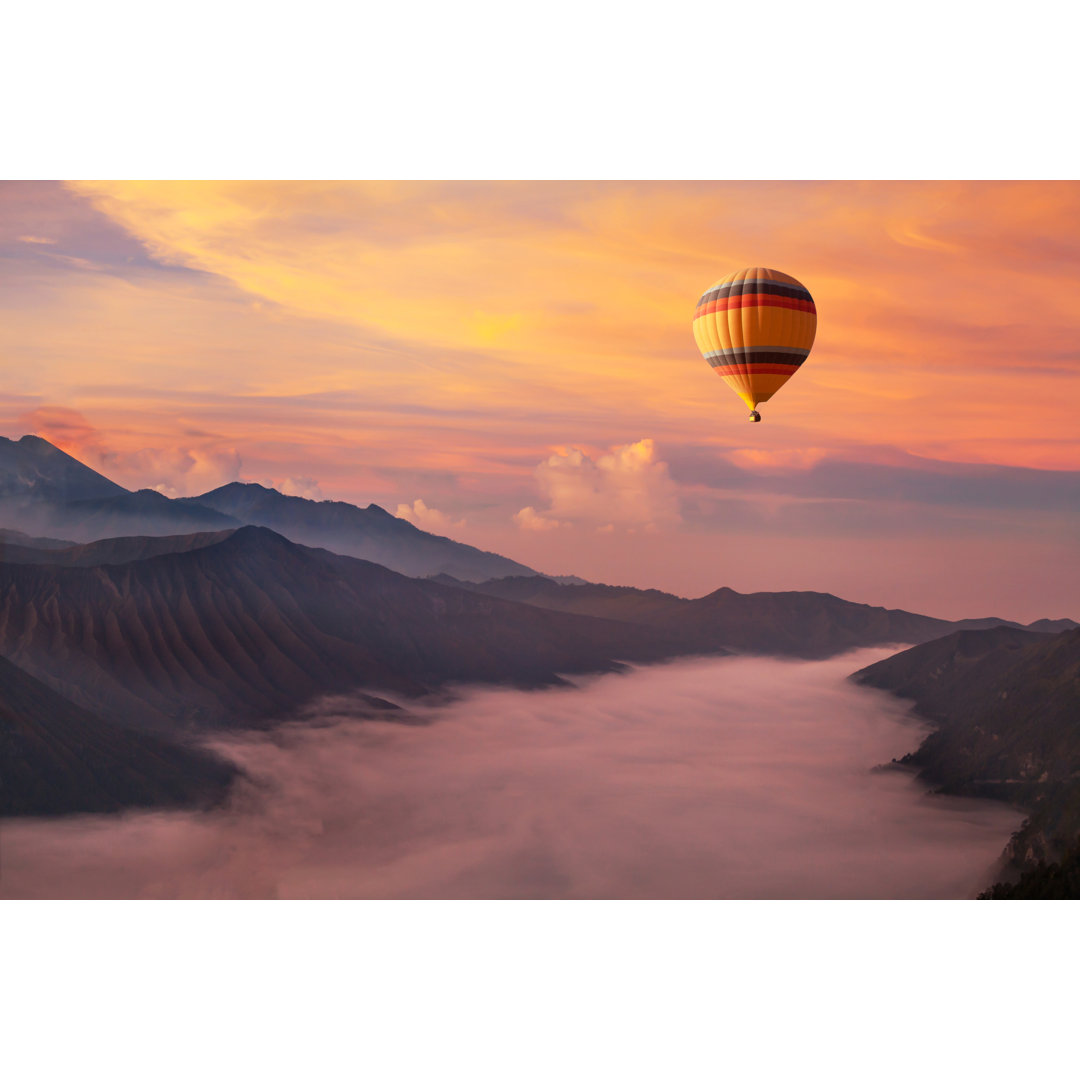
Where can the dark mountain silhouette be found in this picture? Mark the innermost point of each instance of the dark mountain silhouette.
(805, 624)
(1006, 707)
(370, 533)
(252, 626)
(58, 758)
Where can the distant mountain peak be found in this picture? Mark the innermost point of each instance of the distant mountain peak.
(236, 487)
(256, 535)
(372, 534)
(32, 468)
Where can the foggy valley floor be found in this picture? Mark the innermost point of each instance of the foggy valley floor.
(738, 777)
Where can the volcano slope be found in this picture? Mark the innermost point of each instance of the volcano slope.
(61, 759)
(248, 628)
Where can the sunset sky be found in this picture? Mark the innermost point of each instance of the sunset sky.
(512, 365)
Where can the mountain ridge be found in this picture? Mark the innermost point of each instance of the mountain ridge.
(806, 623)
(113, 550)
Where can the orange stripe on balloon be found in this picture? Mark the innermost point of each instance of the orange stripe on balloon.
(756, 369)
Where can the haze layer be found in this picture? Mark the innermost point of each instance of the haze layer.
(737, 778)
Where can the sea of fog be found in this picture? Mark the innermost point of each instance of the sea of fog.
(726, 778)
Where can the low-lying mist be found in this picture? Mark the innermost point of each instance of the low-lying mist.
(734, 777)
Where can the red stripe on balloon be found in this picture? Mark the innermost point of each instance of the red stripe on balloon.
(727, 303)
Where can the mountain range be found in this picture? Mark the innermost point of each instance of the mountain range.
(369, 533)
(44, 490)
(810, 625)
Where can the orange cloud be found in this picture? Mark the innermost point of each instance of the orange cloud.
(528, 519)
(65, 428)
(381, 339)
(172, 470)
(627, 486)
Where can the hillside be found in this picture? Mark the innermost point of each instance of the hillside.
(61, 759)
(1058, 881)
(1006, 706)
(250, 627)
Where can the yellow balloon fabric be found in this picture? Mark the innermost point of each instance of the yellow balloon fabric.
(755, 328)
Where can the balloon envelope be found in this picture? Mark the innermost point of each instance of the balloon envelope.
(755, 328)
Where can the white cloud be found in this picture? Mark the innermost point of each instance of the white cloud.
(175, 472)
(529, 520)
(303, 486)
(626, 487)
(209, 469)
(427, 517)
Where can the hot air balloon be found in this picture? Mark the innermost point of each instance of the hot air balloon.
(755, 328)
